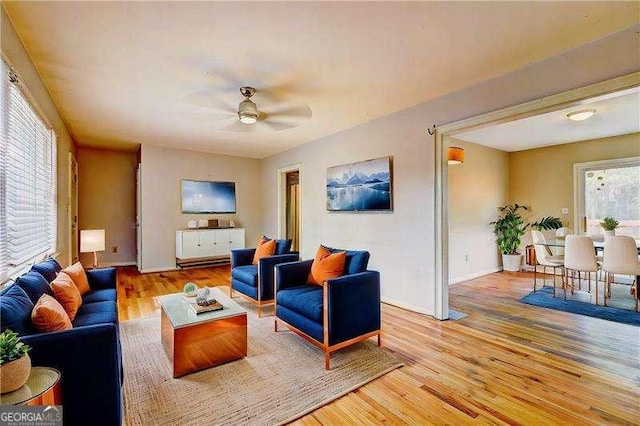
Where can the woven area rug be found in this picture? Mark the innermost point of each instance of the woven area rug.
(282, 378)
(583, 304)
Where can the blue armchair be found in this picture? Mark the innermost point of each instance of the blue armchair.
(255, 282)
(336, 314)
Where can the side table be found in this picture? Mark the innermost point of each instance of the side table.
(42, 388)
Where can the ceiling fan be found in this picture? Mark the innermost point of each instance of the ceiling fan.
(247, 117)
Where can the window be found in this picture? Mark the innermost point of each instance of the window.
(609, 188)
(28, 185)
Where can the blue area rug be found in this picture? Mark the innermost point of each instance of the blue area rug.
(544, 298)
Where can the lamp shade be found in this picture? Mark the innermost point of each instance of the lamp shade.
(455, 155)
(91, 240)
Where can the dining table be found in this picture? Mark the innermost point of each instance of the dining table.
(598, 243)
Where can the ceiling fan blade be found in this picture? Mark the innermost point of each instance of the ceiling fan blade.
(207, 100)
(198, 114)
(302, 111)
(279, 125)
(237, 126)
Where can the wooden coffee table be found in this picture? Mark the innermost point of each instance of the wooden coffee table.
(197, 341)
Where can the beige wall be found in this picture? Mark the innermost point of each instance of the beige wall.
(543, 178)
(476, 189)
(17, 56)
(107, 200)
(162, 170)
(402, 243)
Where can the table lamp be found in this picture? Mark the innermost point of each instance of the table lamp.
(92, 240)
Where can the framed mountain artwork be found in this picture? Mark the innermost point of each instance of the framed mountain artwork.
(360, 187)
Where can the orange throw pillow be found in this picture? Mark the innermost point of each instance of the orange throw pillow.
(49, 315)
(79, 277)
(66, 292)
(265, 248)
(326, 265)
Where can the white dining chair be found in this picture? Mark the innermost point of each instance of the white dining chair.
(620, 257)
(579, 256)
(545, 259)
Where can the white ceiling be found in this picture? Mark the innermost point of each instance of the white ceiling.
(124, 73)
(616, 114)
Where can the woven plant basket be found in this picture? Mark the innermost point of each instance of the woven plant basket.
(14, 374)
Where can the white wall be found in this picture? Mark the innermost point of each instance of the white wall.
(401, 243)
(476, 189)
(162, 170)
(18, 57)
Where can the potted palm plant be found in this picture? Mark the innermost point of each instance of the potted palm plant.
(15, 363)
(509, 228)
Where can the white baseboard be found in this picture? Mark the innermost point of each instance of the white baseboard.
(468, 277)
(405, 306)
(152, 270)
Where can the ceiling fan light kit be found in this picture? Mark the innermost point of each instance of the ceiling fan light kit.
(247, 110)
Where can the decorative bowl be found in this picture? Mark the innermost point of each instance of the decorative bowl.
(190, 289)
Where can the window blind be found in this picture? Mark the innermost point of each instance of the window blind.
(27, 182)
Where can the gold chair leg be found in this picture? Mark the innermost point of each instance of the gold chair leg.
(327, 360)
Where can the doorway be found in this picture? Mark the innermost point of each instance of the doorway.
(289, 216)
(293, 209)
(442, 135)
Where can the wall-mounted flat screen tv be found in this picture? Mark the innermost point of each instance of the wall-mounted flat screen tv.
(208, 197)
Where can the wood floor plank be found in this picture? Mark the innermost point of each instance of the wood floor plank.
(505, 363)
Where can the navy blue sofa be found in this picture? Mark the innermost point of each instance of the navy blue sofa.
(255, 282)
(88, 356)
(338, 313)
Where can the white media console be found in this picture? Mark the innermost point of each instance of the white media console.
(202, 246)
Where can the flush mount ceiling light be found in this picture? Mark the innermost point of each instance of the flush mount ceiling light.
(581, 115)
(247, 110)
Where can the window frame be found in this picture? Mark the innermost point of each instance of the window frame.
(579, 173)
(10, 82)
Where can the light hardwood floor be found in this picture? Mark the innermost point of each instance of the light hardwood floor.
(505, 363)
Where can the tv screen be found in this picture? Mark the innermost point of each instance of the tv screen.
(208, 197)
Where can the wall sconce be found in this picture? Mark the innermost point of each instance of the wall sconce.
(92, 240)
(455, 155)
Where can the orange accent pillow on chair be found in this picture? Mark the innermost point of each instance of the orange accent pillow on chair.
(66, 292)
(79, 277)
(49, 315)
(265, 248)
(326, 265)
